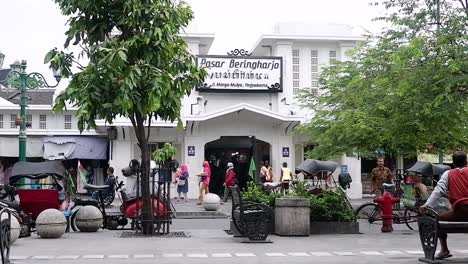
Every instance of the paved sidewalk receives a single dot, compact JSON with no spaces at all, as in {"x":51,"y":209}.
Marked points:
{"x":207,"y":242}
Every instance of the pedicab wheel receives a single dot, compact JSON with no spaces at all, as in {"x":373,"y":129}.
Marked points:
{"x":411,"y":217}
{"x":73,"y":221}
{"x":5,"y":240}
{"x":369,"y":212}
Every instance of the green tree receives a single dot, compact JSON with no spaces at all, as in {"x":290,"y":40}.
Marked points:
{"x":139,"y":67}
{"x":401,"y":89}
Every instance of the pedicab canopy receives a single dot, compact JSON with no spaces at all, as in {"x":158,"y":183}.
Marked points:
{"x":311,"y":166}
{"x":37,"y":170}
{"x":428,"y":169}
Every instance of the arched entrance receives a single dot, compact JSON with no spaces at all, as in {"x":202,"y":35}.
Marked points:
{"x":236,"y":149}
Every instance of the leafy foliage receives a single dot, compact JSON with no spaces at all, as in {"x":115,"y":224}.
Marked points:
{"x":330,"y":206}
{"x":400,"y":90}
{"x":139,"y":67}
{"x":256,"y":194}
{"x":165,"y":153}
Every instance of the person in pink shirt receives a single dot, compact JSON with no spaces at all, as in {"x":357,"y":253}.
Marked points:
{"x":229,"y":181}
{"x":205,"y":181}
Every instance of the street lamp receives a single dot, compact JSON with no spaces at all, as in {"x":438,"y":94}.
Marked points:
{"x":22,"y":81}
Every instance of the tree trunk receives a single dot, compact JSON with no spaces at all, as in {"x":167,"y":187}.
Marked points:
{"x":147,"y":208}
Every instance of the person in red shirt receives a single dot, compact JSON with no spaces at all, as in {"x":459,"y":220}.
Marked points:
{"x":229,"y":181}
{"x":454,"y":185}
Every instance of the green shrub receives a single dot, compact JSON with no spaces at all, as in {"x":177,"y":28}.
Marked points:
{"x":256,"y":194}
{"x":330,"y":206}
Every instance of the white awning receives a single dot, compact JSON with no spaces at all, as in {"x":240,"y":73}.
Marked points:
{"x":9,"y":147}
{"x":73,"y":147}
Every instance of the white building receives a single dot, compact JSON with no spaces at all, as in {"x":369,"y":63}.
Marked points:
{"x":235,"y":121}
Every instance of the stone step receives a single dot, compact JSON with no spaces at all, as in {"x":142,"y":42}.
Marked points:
{"x":201,"y":215}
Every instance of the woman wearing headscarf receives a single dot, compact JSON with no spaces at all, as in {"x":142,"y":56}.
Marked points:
{"x":182,"y":182}
{"x":229,"y":181}
{"x":205,"y":181}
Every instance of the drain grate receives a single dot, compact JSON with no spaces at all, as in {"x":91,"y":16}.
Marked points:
{"x":178,"y":234}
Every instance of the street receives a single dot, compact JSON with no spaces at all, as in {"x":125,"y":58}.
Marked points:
{"x":206,"y":241}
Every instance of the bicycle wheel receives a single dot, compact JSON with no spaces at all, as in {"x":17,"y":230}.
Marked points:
{"x":411,"y":217}
{"x":369,"y":212}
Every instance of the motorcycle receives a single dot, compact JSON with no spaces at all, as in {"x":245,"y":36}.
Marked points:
{"x":9,"y":200}
{"x":131,"y":206}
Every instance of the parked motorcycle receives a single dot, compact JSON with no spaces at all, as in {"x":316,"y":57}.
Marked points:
{"x":11,"y":202}
{"x":131,"y":206}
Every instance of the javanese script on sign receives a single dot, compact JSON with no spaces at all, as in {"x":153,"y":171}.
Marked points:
{"x":228,"y":73}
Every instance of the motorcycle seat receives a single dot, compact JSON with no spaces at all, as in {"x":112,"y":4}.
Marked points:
{"x":84,"y":202}
{"x":93,"y":187}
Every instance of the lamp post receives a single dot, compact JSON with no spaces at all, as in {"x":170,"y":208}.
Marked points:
{"x":22,"y":81}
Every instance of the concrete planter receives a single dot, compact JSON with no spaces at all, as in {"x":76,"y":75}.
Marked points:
{"x":51,"y":223}
{"x":334,"y":228}
{"x":292,"y":216}
{"x":89,"y":219}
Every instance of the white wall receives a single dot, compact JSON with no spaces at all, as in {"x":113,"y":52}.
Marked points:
{"x":354,"y":169}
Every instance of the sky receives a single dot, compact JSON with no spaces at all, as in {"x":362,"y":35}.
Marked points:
{"x":30,"y":28}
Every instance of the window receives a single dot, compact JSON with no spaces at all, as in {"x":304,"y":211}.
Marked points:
{"x":1,"y":120}
{"x":68,"y":120}
{"x":28,"y":120}
{"x":12,"y":121}
{"x":42,"y":122}
{"x":332,"y":57}
{"x":296,"y":71}
{"x":314,"y":69}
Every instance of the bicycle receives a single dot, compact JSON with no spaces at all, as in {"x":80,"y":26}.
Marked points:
{"x":413,"y":194}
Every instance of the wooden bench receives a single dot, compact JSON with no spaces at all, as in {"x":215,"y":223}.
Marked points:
{"x":252,"y":220}
{"x":429,"y":229}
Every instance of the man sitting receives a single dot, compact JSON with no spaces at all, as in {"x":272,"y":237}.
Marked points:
{"x":454,"y":185}
{"x":109,"y":181}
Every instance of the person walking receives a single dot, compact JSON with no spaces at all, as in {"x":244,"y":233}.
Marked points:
{"x":205,"y":181}
{"x":379,"y":176}
{"x":454,"y":185}
{"x":182,"y":182}
{"x":263,"y":172}
{"x":229,"y":181}
{"x":286,"y":177}
{"x":269,"y":172}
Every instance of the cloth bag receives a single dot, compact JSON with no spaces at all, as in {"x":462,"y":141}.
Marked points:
{"x":181,"y":182}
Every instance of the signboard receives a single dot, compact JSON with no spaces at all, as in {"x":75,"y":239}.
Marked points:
{"x":191,"y":150}
{"x":285,"y":152}
{"x":344,"y":168}
{"x":241,"y":74}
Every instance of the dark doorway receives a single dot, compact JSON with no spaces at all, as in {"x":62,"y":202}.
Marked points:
{"x":238,"y":150}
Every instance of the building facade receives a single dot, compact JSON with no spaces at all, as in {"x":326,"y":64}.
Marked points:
{"x":242,"y":122}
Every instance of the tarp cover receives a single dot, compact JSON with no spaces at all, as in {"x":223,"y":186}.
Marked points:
{"x":428,"y":169}
{"x":312,"y":166}
{"x":37,"y":170}
{"x":75,"y":147}
{"x":9,"y":147}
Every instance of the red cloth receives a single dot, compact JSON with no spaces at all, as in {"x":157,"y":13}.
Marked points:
{"x":458,"y":186}
{"x":229,"y":178}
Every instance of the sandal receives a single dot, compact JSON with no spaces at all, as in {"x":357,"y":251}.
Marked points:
{"x":439,"y":257}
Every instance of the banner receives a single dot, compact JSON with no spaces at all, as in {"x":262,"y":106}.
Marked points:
{"x":243,"y":74}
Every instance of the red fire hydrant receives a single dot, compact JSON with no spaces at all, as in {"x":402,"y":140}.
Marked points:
{"x":386,"y":202}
